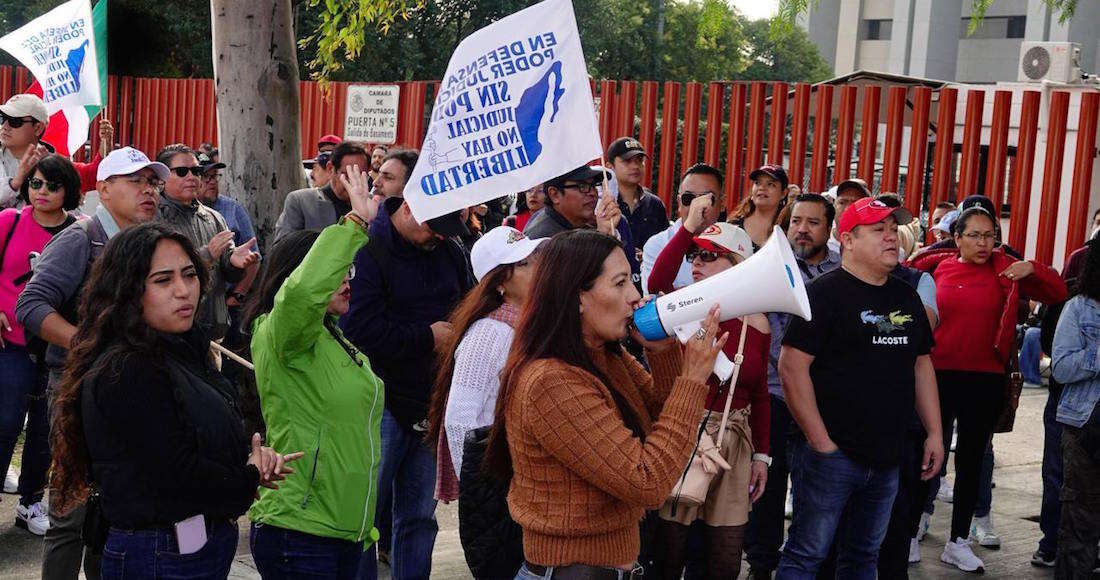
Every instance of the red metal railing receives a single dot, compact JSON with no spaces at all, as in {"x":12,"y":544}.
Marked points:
{"x":740,"y":123}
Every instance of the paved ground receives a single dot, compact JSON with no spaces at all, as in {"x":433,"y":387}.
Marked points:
{"x":1015,"y":505}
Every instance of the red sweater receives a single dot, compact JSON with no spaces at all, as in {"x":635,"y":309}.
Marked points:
{"x":752,"y":382}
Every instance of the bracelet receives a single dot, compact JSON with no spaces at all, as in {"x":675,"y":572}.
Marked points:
{"x":354,"y":218}
{"x":766,"y":459}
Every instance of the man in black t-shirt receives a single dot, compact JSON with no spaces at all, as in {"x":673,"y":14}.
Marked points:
{"x":851,"y":377}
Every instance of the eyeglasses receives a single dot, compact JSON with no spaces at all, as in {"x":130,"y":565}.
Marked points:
{"x":210,"y":176}
{"x":183,"y":171}
{"x":706,"y":256}
{"x":53,"y":186}
{"x":581,"y":187}
{"x":15,"y":122}
{"x":975,"y":236}
{"x":142,"y":181}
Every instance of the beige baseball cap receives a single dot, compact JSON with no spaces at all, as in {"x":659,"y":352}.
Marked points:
{"x":25,"y":105}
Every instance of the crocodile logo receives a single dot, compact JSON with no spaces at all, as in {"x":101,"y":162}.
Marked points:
{"x":888,"y":323}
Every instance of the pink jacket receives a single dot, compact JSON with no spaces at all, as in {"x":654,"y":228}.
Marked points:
{"x":15,"y":263}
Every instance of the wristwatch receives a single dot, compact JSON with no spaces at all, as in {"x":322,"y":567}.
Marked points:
{"x":764,"y":458}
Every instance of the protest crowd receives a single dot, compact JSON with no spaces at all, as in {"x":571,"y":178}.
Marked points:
{"x":176,"y":377}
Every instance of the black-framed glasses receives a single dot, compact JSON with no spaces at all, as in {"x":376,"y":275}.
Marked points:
{"x":706,"y":256}
{"x":183,"y":171}
{"x":213,"y":176}
{"x":689,"y":196}
{"x":52,"y":186}
{"x":15,"y":122}
{"x":976,"y":236}
{"x":585,"y":188}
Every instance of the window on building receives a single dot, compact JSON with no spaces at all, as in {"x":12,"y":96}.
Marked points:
{"x":877,"y":29}
{"x":993,"y":27}
{"x":1016,"y":26}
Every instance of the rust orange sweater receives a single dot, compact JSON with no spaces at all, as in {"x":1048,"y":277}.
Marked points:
{"x":581,"y":479}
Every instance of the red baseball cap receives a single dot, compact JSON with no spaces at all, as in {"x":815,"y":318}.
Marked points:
{"x":866,"y":211}
{"x":329,"y":140}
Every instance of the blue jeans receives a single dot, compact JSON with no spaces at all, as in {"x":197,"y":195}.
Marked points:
{"x":1030,"y":353}
{"x":1050,"y":517}
{"x":286,"y":554}
{"x":153,"y":553}
{"x":23,"y":398}
{"x":827,"y":487}
{"x":407,"y":476}
{"x":525,"y":574}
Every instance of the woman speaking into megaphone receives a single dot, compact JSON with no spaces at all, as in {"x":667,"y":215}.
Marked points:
{"x":710,"y":250}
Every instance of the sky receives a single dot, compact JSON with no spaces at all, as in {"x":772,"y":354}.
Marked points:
{"x":755,"y":9}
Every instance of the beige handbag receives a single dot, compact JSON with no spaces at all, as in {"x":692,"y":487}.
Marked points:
{"x":706,"y":461}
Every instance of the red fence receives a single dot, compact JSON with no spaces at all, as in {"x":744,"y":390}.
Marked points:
{"x":736,"y":126}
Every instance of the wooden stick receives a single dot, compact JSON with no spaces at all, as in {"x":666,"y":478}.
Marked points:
{"x":236,"y":358}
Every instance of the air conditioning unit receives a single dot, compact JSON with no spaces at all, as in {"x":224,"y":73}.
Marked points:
{"x":1049,"y":61}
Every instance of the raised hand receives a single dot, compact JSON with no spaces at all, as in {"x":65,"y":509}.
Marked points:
{"x":608,"y":215}
{"x":363,"y":203}
{"x":701,"y":213}
{"x":243,"y":256}
{"x":219,"y":244}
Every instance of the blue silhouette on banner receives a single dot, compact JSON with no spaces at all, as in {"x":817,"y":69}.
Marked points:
{"x":532,"y":109}
{"x":75,"y":62}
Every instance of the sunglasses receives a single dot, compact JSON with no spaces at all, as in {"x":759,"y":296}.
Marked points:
{"x":706,"y":256}
{"x":15,"y":122}
{"x":687,"y":197}
{"x":183,"y":171}
{"x":52,"y":186}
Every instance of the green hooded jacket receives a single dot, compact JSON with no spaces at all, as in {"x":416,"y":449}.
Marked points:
{"x":319,"y":396}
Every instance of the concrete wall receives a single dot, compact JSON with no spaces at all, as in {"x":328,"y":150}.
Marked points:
{"x":988,"y":60}
{"x":874,"y":55}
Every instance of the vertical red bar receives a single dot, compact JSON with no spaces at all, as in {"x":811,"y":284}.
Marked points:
{"x":845,"y":135}
{"x":419,"y":103}
{"x":5,"y":83}
{"x":942,"y":169}
{"x":716,"y":94}
{"x":628,"y":96}
{"x":22,"y":81}
{"x":918,"y":149}
{"x":141,"y":100}
{"x":1052,"y":176}
{"x":777,"y":137}
{"x":340,"y":102}
{"x":607,"y":113}
{"x":868,"y":134}
{"x":754,"y":151}
{"x":124,"y":112}
{"x":212,"y":119}
{"x":693,"y":102}
{"x":157,"y":121}
{"x":648,"y":134}
{"x":735,"y":142}
{"x":800,"y":123}
{"x":997,"y":159}
{"x":1082,"y":171}
{"x":891,"y":149}
{"x":971,"y":144}
{"x":176,"y":111}
{"x":1024,"y":169}
{"x":669,"y":120}
{"x":823,"y":120}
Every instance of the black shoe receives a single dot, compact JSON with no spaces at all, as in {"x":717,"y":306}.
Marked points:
{"x":1042,"y":559}
{"x":760,"y":574}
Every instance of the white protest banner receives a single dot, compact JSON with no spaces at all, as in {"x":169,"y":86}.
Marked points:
{"x":60,"y":51}
{"x":513,"y":110}
{"x":370,"y":114}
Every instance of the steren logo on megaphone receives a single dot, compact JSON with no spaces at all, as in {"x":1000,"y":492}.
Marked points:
{"x":766,"y":282}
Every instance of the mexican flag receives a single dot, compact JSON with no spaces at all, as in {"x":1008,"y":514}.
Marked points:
{"x":66,"y":51}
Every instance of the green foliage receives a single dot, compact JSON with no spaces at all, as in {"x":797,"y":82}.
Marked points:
{"x":784,"y":56}
{"x":341,"y":33}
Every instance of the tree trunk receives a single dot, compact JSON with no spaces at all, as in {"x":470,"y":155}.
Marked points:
{"x":256,"y":80}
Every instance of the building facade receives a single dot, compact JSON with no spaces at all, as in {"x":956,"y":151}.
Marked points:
{"x":929,"y":38}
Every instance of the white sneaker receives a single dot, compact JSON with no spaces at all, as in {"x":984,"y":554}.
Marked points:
{"x":11,"y":481}
{"x":958,"y":553}
{"x":925,"y":523}
{"x":788,"y":508}
{"x":982,"y":532}
{"x":32,"y":518}
{"x":914,"y":551}
{"x":954,"y":440}
{"x":946,"y":493}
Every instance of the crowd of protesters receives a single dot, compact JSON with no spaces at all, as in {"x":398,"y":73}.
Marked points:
{"x":488,"y":357}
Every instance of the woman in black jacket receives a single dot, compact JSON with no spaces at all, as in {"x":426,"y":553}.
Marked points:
{"x":143,"y":417}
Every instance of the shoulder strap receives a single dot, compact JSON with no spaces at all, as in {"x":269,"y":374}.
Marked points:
{"x":737,"y":360}
{"x":7,"y":238}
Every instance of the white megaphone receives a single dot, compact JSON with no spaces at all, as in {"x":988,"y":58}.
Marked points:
{"x":769,"y":281}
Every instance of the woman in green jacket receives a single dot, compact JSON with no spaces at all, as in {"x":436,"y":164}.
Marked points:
{"x":318,"y":394}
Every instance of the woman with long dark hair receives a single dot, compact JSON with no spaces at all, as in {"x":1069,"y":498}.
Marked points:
{"x":319,"y":394}
{"x":1074,"y":364}
{"x":143,"y":417}
{"x":760,"y":210}
{"x":465,"y":394}
{"x":589,"y":439}
{"x":978,"y":289}
{"x":51,"y":192}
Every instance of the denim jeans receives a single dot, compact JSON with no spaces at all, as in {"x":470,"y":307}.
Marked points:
{"x":23,"y":399}
{"x":153,"y":553}
{"x":828,"y":487}
{"x":286,"y":554}
{"x":525,"y":574}
{"x":764,"y":536}
{"x":407,"y":475}
{"x":1030,"y":352}
{"x":1051,"y":514}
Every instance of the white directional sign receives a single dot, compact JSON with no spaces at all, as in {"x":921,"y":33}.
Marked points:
{"x":371,"y":114}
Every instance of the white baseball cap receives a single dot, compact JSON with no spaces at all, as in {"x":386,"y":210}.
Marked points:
{"x":725,"y":237}
{"x":25,"y":105}
{"x":501,"y":245}
{"x":128,"y":160}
